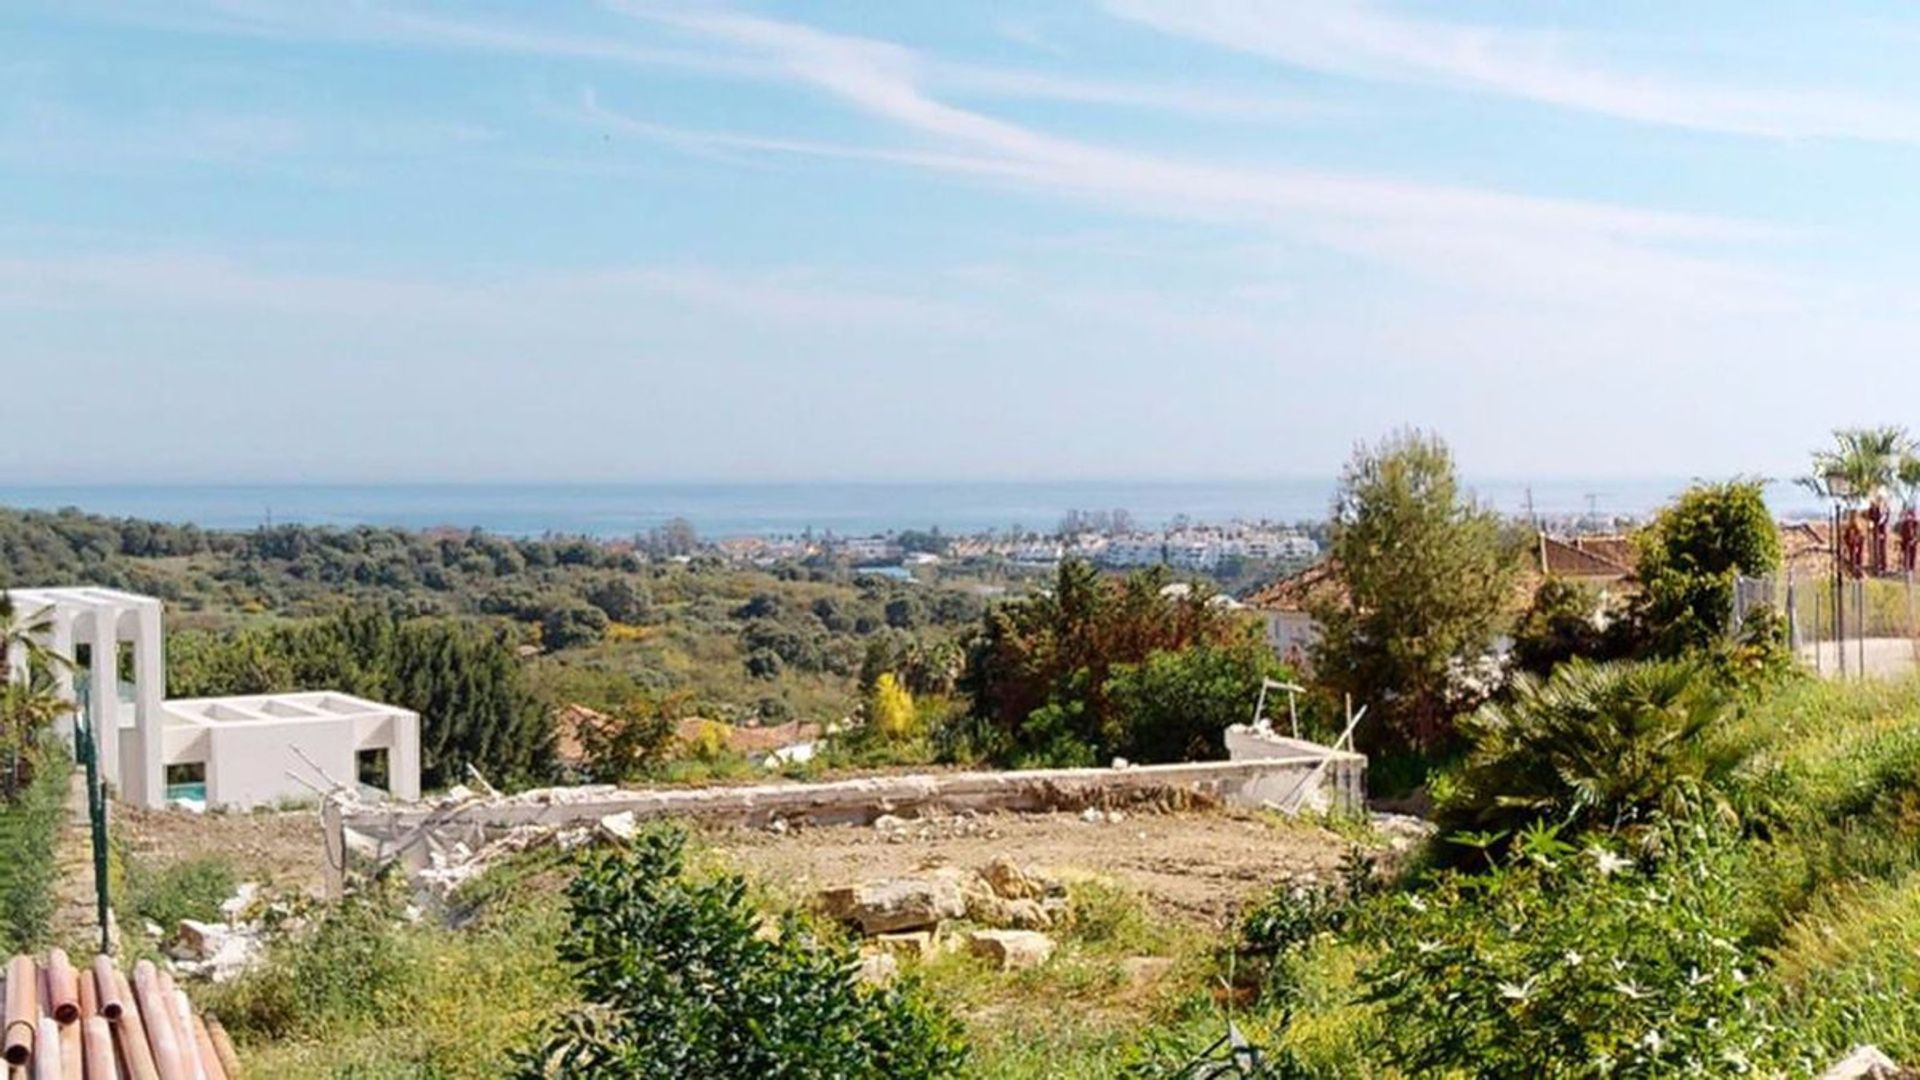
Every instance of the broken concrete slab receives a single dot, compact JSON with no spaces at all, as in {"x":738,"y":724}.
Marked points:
{"x":1011,"y":950}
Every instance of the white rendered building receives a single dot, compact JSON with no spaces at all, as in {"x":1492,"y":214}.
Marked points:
{"x":236,"y":752}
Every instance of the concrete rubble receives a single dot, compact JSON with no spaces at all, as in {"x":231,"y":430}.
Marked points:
{"x":224,"y":950}
{"x":1011,"y":950}
{"x":910,"y":917}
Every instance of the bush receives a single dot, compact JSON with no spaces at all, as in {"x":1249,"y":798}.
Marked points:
{"x":193,"y":889}
{"x":1566,"y":619}
{"x":1593,"y":746}
{"x":29,"y":825}
{"x":1175,"y":706}
{"x":347,"y":966}
{"x":680,"y":981}
{"x":1689,"y":558}
{"x":1568,"y":962}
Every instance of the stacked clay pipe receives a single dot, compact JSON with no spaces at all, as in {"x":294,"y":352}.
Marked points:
{"x":94,"y":1023}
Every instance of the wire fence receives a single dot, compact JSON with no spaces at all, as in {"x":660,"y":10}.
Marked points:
{"x":1853,"y":625}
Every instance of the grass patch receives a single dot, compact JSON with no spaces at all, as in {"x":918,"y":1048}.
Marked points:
{"x":29,"y":828}
{"x":191,"y":889}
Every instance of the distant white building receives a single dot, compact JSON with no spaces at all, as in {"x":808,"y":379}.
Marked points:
{"x":869,"y":548}
{"x":224,"y":752}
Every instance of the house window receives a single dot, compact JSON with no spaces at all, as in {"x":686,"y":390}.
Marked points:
{"x":371,"y":766}
{"x":187,"y":780}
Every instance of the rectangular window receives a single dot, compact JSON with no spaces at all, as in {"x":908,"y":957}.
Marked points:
{"x":187,"y":780}
{"x":372,"y":767}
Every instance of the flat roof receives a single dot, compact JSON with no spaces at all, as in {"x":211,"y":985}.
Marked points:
{"x":276,"y":708}
{"x":89,"y":595}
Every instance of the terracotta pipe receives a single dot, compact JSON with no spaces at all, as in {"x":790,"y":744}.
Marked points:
{"x":63,"y":987}
{"x":183,"y":1023}
{"x":72,"y":1058}
{"x":223,"y":1047}
{"x":107,"y":980}
{"x":46,"y":1060}
{"x":157,"y":1014}
{"x":23,"y":1010}
{"x":131,"y":1034}
{"x":89,"y":995}
{"x":97,"y":1037}
{"x":182,"y":1016}
{"x":203,"y":1041}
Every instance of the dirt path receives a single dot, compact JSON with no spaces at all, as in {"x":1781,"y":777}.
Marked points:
{"x":1197,"y":865}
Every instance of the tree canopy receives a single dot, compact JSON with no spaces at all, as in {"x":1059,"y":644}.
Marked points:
{"x":1425,"y":577}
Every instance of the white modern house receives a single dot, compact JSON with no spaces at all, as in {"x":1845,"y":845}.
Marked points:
{"x":231,"y":752}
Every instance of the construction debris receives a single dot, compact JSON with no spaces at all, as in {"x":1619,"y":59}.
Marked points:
{"x":94,"y":1023}
{"x":1011,"y":950}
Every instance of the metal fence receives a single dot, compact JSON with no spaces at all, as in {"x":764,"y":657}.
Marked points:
{"x":1849,"y":627}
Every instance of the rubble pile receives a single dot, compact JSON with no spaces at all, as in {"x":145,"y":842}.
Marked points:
{"x":1006,"y":906}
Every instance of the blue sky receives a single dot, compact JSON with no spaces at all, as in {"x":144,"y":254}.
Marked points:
{"x":250,"y":240}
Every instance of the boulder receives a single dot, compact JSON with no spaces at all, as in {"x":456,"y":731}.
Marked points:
{"x":910,"y":945}
{"x":621,"y":826}
{"x":1011,"y":950}
{"x":881,"y":907}
{"x":1010,"y":882}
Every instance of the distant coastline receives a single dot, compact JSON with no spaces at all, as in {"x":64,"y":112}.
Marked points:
{"x":748,"y":509}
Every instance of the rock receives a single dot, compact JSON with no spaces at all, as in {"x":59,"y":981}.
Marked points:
{"x":1010,"y":882}
{"x":1011,"y":950}
{"x":620,"y":826}
{"x":910,"y":945}
{"x":1115,"y":817}
{"x":900,"y":904}
{"x":196,"y":940}
{"x":778,"y":826}
{"x":878,"y":968}
{"x":1093,"y":815}
{"x":1027,"y":915}
{"x":889,"y":823}
{"x":1122,"y":763}
{"x":1866,"y":1063}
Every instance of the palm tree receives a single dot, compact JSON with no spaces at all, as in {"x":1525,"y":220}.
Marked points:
{"x":27,"y":705}
{"x":27,"y":635}
{"x":1868,"y":459}
{"x":1907,"y":475}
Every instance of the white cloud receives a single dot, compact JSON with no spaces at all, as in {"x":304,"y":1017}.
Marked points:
{"x":1499,"y":240}
{"x":1355,"y":38}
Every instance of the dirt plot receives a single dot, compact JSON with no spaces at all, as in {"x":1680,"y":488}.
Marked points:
{"x":280,"y":849}
{"x":1200,"y":865}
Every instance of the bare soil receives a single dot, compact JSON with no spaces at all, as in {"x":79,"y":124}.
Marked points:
{"x":1201,"y":866}
{"x":279,"y":849}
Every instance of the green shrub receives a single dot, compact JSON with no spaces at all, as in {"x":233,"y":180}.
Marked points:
{"x":348,"y":966}
{"x":680,"y":981}
{"x":29,"y":827}
{"x":193,"y":889}
{"x":1567,"y":962}
{"x":1594,"y":745}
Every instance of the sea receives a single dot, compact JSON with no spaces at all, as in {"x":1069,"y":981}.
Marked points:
{"x":739,"y":509}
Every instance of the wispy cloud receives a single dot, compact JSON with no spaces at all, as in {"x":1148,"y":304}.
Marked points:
{"x":1505,"y":240}
{"x":1359,"y":39}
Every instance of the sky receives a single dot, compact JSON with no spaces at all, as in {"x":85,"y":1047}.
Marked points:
{"x":250,"y":240}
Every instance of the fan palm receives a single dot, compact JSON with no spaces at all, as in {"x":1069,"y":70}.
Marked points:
{"x":1869,"y":460}
{"x":1593,"y":744}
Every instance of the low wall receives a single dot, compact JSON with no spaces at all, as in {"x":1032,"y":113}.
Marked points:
{"x":1308,"y":777}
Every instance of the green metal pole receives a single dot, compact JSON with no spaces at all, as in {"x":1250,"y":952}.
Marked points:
{"x":88,"y":751}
